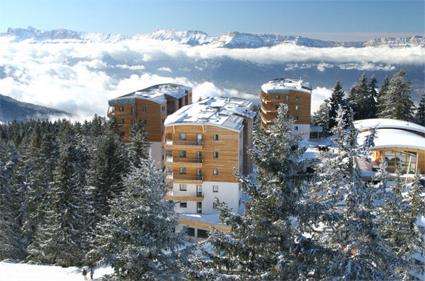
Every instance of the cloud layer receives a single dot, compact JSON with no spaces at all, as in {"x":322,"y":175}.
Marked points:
{"x":81,"y":77}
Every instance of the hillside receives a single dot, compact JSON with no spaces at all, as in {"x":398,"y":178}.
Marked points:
{"x":11,"y":109}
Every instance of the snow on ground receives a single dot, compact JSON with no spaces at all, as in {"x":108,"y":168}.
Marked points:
{"x":30,"y":272}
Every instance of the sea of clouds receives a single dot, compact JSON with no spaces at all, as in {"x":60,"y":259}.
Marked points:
{"x":80,"y":77}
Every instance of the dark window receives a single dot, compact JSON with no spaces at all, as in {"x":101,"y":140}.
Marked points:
{"x":215,"y":172}
{"x":183,"y":204}
{"x":182,"y":170}
{"x":190,"y":231}
{"x":182,"y":187}
{"x":182,"y":153}
{"x":216,"y":137}
{"x":215,"y":188}
{"x":215,"y":154}
{"x":121,"y":109}
{"x":202,"y":233}
{"x":144,"y":107}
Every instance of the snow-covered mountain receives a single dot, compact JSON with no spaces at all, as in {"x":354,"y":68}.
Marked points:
{"x":11,"y":109}
{"x":195,"y":38}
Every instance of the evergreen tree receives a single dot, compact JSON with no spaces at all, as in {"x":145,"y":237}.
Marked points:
{"x":382,"y":97}
{"x":359,"y":98}
{"x":346,"y":221}
{"x":11,"y":237}
{"x":372,"y":98}
{"x":139,"y":146}
{"x":61,"y":237}
{"x":321,"y":117}
{"x":265,"y":242}
{"x":137,"y":238}
{"x":335,"y":102}
{"x":397,"y":103}
{"x":420,"y":114}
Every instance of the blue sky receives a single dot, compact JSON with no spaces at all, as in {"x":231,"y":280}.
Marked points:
{"x":327,"y":19}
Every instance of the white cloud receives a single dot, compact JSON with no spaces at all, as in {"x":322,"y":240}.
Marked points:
{"x":80,"y":77}
{"x":318,"y":95}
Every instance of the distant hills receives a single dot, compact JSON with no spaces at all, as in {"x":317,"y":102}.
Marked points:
{"x":196,"y":38}
{"x":11,"y":109}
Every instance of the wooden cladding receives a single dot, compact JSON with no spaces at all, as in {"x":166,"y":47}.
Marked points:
{"x":209,"y":160}
{"x":299,"y":106}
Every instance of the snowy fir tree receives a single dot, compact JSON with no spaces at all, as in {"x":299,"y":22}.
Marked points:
{"x":336,"y":101}
{"x":382,"y":96}
{"x":11,"y":236}
{"x":60,"y":238}
{"x":265,"y":242}
{"x":397,"y":102}
{"x":139,"y":146}
{"x":346,"y":221}
{"x":420,"y":113}
{"x":359,"y":98}
{"x":372,"y":97}
{"x":137,"y":238}
{"x":321,"y":117}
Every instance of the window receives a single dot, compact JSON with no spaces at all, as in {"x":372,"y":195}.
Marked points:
{"x":183,"y":187}
{"x":144,"y":107}
{"x":297,"y":107}
{"x":215,"y":205}
{"x":296,"y":118}
{"x":132,"y":110}
{"x":182,"y":154}
{"x":183,"y":204}
{"x":121,"y":109}
{"x":215,"y":154}
{"x":202,"y":233}
{"x":216,"y":137}
{"x":182,"y":170}
{"x":215,"y":172}
{"x":199,"y":207}
{"x":182,"y":136}
{"x":297,"y":99}
{"x":190,"y":231}
{"x":215,"y":188}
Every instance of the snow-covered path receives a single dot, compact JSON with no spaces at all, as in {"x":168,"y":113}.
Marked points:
{"x":30,"y":272}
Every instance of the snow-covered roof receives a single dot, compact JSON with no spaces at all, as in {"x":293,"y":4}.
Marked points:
{"x":394,"y":138}
{"x":156,"y":93}
{"x":285,"y":85}
{"x":382,"y":123}
{"x":221,"y":111}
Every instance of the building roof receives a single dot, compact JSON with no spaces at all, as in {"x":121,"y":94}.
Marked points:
{"x":285,"y":85}
{"x":394,"y":138}
{"x":381,"y":123}
{"x":219,"y":111}
{"x":156,"y":93}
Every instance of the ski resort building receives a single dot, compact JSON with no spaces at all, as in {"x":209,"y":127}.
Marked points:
{"x":400,"y":143}
{"x":295,"y":94}
{"x":206,"y":147}
{"x":151,"y":106}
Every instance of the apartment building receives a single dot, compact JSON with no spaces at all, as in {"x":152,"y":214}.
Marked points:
{"x":151,"y":106}
{"x":206,"y":147}
{"x":295,"y":94}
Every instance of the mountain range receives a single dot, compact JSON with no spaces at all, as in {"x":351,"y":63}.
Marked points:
{"x":11,"y":109}
{"x":196,"y":38}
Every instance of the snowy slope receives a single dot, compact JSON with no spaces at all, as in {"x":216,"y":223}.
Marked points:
{"x":29,"y":272}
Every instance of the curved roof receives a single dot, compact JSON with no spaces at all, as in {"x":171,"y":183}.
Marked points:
{"x":219,"y":111}
{"x":284,"y":86}
{"x":382,"y":123}
{"x":394,"y":138}
{"x":155,"y":93}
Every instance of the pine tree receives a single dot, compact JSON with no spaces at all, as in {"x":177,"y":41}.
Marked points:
{"x":137,"y":238}
{"x":321,"y":117}
{"x":139,"y":146}
{"x":265,"y":243}
{"x":397,"y":103}
{"x":346,"y":221}
{"x":420,"y":114}
{"x":359,"y":98}
{"x":372,"y":98}
{"x":382,"y":97}
{"x":11,"y":236}
{"x":335,"y":102}
{"x":60,"y":238}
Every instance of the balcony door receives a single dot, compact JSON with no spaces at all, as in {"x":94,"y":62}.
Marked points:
{"x":199,"y":138}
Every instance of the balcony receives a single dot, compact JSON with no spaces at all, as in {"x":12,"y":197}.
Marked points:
{"x":185,"y":162}
{"x":183,"y":144}
{"x":196,"y":179}
{"x":198,"y":197}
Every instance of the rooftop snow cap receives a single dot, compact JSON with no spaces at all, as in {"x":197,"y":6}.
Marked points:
{"x":385,"y":123}
{"x":220,"y":111}
{"x":157,"y":93}
{"x":285,"y":85}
